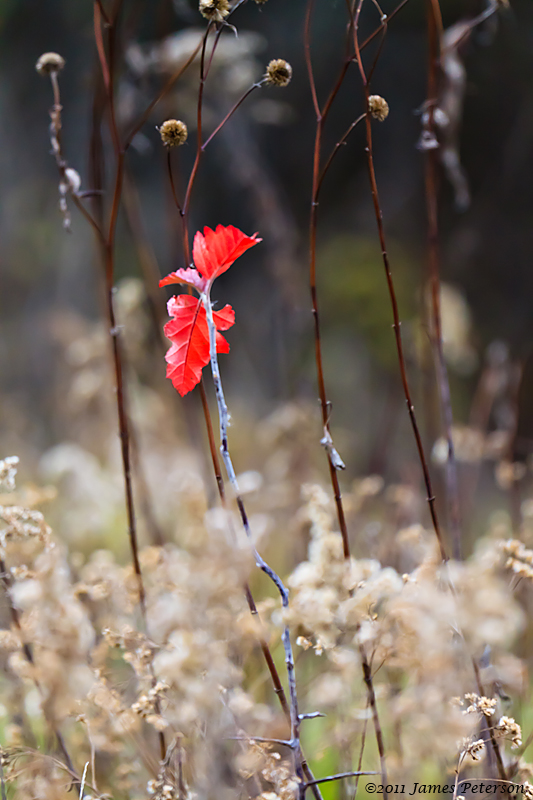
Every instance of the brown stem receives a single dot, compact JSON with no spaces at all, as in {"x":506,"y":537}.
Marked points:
{"x":164,"y":91}
{"x":108,"y":68}
{"x":434,"y":23}
{"x":494,"y":744}
{"x":194,"y":171}
{"x":369,"y":683}
{"x":317,"y":180}
{"x":392,"y":294}
{"x":340,"y":143}
{"x":231,"y":112}
{"x":173,"y":189}
{"x":28,"y":654}
{"x":318,"y":177}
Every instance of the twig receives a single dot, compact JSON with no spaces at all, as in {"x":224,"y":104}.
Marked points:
{"x":494,"y":744}
{"x":361,"y":752}
{"x":28,"y":654}
{"x":367,"y":677}
{"x":232,"y":110}
{"x":321,"y":116}
{"x":109,"y":264}
{"x":338,"y":776}
{"x":334,"y":461}
{"x":164,"y":91}
{"x":392,"y":294}
{"x":452,"y":486}
{"x":108,"y":252}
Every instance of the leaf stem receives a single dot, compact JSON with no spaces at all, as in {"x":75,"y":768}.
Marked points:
{"x":260,"y":562}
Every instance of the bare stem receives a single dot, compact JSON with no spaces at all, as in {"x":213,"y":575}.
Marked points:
{"x":107,"y":64}
{"x":489,"y":730}
{"x":260,"y":562}
{"x":5,"y":578}
{"x":232,"y":111}
{"x":333,"y":457}
{"x":452,"y":485}
{"x":339,"y":776}
{"x":367,"y":677}
{"x":392,"y":294}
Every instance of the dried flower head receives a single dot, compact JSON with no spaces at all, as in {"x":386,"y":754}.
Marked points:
{"x":214,"y":10}
{"x":520,"y":559}
{"x":49,"y":62}
{"x":8,"y":472}
{"x":173,"y":133}
{"x":476,"y":750}
{"x":483,"y":705}
{"x":378,"y":107}
{"x":278,"y":72}
{"x":508,"y":727}
{"x":527,"y":790}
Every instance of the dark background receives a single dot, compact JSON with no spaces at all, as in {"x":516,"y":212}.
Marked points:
{"x":257,"y":176}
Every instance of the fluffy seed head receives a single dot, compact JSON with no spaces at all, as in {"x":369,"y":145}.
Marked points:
{"x":50,"y":62}
{"x":214,"y":10}
{"x":378,"y":107}
{"x":278,"y":72}
{"x":173,"y":133}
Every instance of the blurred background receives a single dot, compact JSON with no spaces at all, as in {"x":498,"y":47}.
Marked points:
{"x":55,"y":381}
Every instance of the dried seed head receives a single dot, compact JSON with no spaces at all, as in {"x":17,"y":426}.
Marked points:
{"x":508,"y":727}
{"x":278,"y":72}
{"x":49,"y":62}
{"x":378,"y":107}
{"x":173,"y":133}
{"x":214,"y":10}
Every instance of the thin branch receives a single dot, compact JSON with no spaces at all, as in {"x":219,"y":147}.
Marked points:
{"x":361,"y":751}
{"x":340,"y":143}
{"x":5,"y":578}
{"x":392,"y":294}
{"x":434,"y":23}
{"x":367,"y":677}
{"x":339,"y":776}
{"x":173,"y":187}
{"x":108,"y":252}
{"x":164,"y":91}
{"x":494,"y":744}
{"x":333,"y":458}
{"x":232,"y":110}
{"x":196,"y":164}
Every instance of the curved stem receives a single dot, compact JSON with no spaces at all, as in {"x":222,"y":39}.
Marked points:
{"x":392,"y":294}
{"x":232,"y":110}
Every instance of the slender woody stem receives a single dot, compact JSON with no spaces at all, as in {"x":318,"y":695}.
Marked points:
{"x":339,"y":776}
{"x":317,"y":180}
{"x":392,"y":294}
{"x":369,"y":683}
{"x":232,"y":110}
{"x":434,"y":24}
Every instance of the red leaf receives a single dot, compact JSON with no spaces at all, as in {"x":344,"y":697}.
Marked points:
{"x":189,"y":276}
{"x":189,"y":335}
{"x":215,"y":251}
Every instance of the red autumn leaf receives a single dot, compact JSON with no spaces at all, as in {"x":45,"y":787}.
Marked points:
{"x":215,"y":251}
{"x":189,"y":276}
{"x":189,"y":334}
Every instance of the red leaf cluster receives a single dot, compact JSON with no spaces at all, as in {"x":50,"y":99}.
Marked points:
{"x":213,"y":253}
